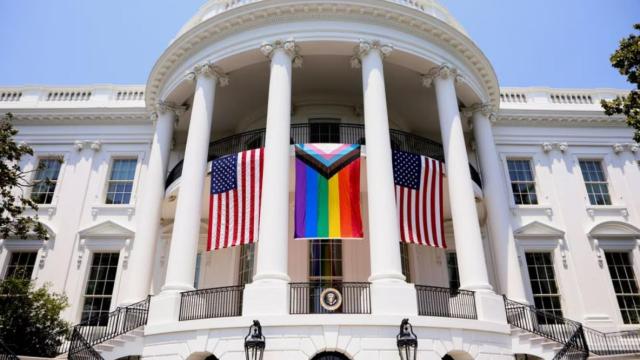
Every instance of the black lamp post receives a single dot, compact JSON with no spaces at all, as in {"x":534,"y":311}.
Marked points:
{"x":407,"y":341}
{"x":254,"y":342}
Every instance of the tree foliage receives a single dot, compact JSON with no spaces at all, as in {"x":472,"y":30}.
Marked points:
{"x":627,"y":60}
{"x":30,"y":322}
{"x":13,"y":182}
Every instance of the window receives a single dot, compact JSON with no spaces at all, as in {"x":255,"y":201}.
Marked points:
{"x":120,"y":182}
{"x":247,"y":256}
{"x":97,"y":298}
{"x":325,"y":261}
{"x":324,"y":131}
{"x":21,"y":264}
{"x":523,"y":184}
{"x":404,"y":261}
{"x":625,"y":285}
{"x":596,"y":182}
{"x":44,"y":183}
{"x":452,"y":270}
{"x":546,"y":296}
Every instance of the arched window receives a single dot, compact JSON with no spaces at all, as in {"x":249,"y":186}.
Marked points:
{"x":330,"y":356}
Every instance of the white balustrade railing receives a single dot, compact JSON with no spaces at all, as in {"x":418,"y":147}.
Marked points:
{"x":86,"y":96}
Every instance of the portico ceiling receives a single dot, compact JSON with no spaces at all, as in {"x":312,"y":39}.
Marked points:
{"x":322,"y":80}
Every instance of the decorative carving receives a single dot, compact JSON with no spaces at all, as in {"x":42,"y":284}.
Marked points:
{"x":289,"y":46}
{"x":624,"y":212}
{"x":634,"y":148}
{"x":617,"y":148}
{"x":485,"y":109}
{"x":364,"y":47}
{"x":96,"y":145}
{"x":126,"y":251}
{"x":563,"y":251}
{"x":560,"y":146}
{"x":209,"y":70}
{"x":163,"y":107}
{"x":79,"y":145}
{"x":44,"y":254}
{"x":81,"y":248}
{"x":596,"y":248}
{"x":444,"y":71}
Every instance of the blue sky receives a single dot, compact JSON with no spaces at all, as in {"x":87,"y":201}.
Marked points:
{"x":559,"y":43}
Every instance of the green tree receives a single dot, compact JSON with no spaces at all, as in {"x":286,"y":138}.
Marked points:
{"x":30,"y":322}
{"x":13,"y":182}
{"x":627,"y":60}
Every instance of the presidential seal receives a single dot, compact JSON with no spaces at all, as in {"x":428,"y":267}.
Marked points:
{"x":330,"y":299}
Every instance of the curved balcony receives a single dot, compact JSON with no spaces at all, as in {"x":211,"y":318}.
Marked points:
{"x":302,"y":133}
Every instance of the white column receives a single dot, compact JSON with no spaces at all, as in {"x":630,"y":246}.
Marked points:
{"x":186,"y":226}
{"x":148,"y":209}
{"x":497,"y":202}
{"x":390,"y":293}
{"x":268,"y":294}
{"x":466,"y":227}
{"x":472,"y":265}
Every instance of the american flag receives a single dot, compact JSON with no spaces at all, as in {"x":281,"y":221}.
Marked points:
{"x":418,"y":181}
{"x":234,"y":203}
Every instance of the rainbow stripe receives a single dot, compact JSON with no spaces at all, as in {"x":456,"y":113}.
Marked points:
{"x":328,"y":207}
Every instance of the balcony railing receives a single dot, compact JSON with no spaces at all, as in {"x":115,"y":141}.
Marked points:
{"x":446,"y":302}
{"x":105,"y":327}
{"x":211,"y":303}
{"x":352,"y":298}
{"x":302,"y":133}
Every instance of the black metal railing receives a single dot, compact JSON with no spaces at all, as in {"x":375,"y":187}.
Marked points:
{"x":571,"y":350}
{"x":6,"y":353}
{"x":211,"y":303}
{"x":305,"y":298}
{"x":446,"y":302}
{"x":302,"y":133}
{"x":614,"y":343}
{"x":564,"y":331}
{"x":99,"y":329}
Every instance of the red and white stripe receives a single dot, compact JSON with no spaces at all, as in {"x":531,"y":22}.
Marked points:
{"x":421,"y":212}
{"x":234,"y":215}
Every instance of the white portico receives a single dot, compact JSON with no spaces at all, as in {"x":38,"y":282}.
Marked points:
{"x":522,"y":217}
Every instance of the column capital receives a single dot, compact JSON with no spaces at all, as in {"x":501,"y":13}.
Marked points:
{"x":209,"y":70}
{"x":289,"y":46}
{"x":444,"y":71}
{"x":364,"y":47}
{"x":485,"y":109}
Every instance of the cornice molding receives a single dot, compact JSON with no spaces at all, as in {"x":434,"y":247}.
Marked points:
{"x":81,"y":116}
{"x":559,"y":118}
{"x":380,"y":12}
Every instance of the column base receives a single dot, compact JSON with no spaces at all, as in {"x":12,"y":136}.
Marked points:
{"x":266,"y":297}
{"x":164,"y":308}
{"x":490,"y":307}
{"x":393,"y":297}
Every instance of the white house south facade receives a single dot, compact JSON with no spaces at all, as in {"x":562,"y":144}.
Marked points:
{"x":532,"y":231}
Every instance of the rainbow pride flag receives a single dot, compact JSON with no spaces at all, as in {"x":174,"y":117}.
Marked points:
{"x":327,"y":203}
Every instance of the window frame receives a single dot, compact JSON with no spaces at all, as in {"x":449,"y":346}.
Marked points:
{"x":446,"y":263}
{"x":35,"y":170}
{"x":604,"y":167}
{"x":317,"y":120}
{"x":8,"y":247}
{"x":534,"y":160}
{"x":134,"y":182}
{"x":116,"y":280}
{"x":533,"y":176}
{"x":30,"y":164}
{"x":91,"y":244}
{"x":609,"y":244}
{"x":551,"y":244}
{"x":320,"y":279}
{"x":559,"y":293}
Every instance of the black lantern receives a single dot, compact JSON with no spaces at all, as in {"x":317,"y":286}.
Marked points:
{"x":407,"y":341}
{"x":254,"y":342}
